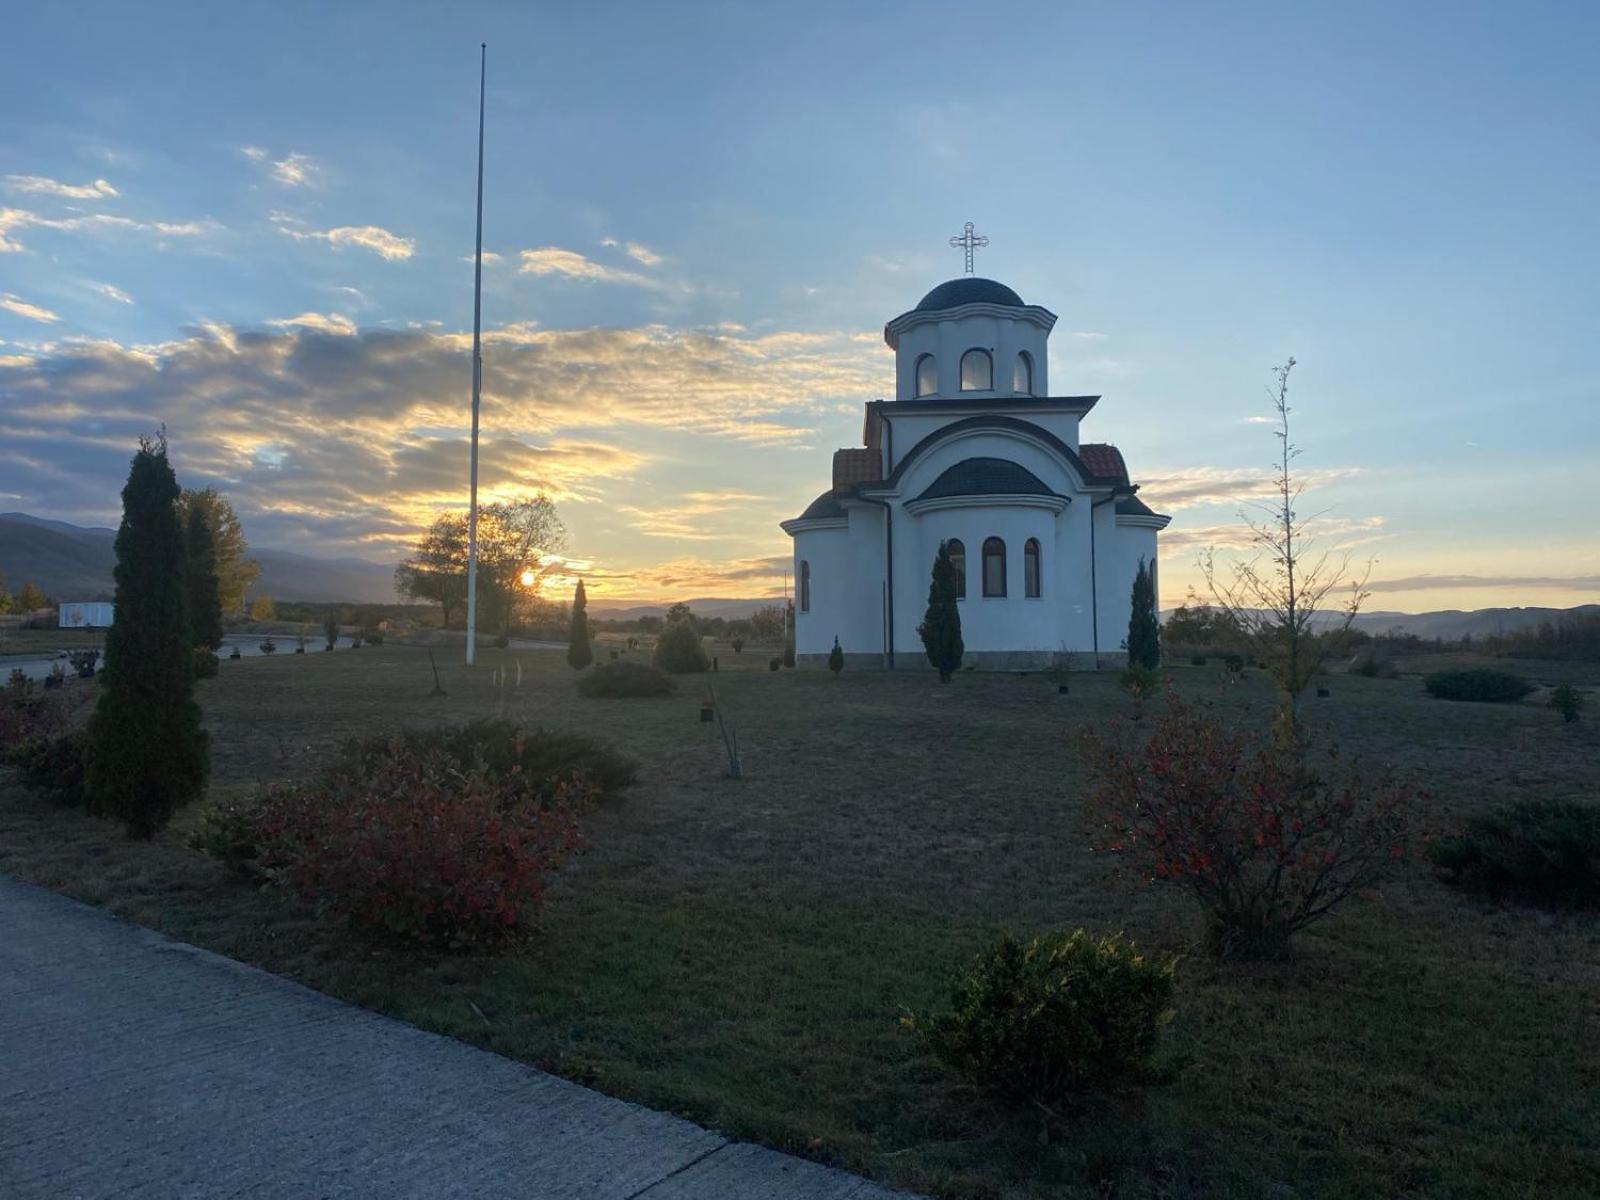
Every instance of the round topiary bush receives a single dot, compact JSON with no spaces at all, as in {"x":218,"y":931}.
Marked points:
{"x":679,"y":652}
{"x":617,"y":679}
{"x":1483,"y":684}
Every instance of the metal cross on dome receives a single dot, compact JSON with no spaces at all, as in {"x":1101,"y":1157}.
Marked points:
{"x":968,"y":242}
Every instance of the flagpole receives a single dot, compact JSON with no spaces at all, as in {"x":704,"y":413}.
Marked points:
{"x":477,"y":382}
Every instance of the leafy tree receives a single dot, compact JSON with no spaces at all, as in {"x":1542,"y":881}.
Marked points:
{"x":941,"y":624}
{"x":261,"y":609}
{"x":30,"y":598}
{"x":235,"y":572}
{"x":146,"y":753}
{"x":579,"y":653}
{"x":767,"y":624}
{"x":517,"y":544}
{"x":200,"y":580}
{"x":1144,"y":631}
{"x":1275,"y":596}
{"x":679,"y":650}
{"x":5,"y":596}
{"x":1200,"y":626}
{"x":681,"y":612}
{"x":437,"y":568}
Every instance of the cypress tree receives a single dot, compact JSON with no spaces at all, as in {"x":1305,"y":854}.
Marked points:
{"x":579,"y":653}
{"x":941,"y":624}
{"x":836,"y":656}
{"x":200,"y":578}
{"x":1144,"y":630}
{"x":146,"y":753}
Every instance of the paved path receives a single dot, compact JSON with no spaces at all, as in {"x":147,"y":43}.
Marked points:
{"x":135,"y":1066}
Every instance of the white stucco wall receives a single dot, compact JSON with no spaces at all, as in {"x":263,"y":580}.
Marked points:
{"x":948,"y":340}
{"x":1120,"y":547}
{"x":846,"y":585}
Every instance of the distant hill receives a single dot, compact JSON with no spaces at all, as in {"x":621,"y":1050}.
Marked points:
{"x":1452,"y":623}
{"x":71,"y":562}
{"x":732,"y":610}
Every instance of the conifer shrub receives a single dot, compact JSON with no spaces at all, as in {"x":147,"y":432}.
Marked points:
{"x":52,"y":765}
{"x":1264,"y":839}
{"x":1568,"y":701}
{"x":579,"y":652}
{"x":679,"y":650}
{"x":1544,"y":851}
{"x":147,"y":754}
{"x":1140,"y":681}
{"x":1144,"y":628}
{"x":619,"y":679}
{"x":1485,"y":684}
{"x":836,"y":657}
{"x":776,"y":664}
{"x":1062,"y":1015}
{"x":330,"y":632}
{"x":941,"y":623}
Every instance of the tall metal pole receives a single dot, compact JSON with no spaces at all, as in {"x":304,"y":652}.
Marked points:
{"x":477,"y":382}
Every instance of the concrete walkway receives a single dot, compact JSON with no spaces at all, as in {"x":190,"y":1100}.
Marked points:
{"x":135,"y":1066}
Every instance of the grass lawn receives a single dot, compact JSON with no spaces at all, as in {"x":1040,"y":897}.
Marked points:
{"x":739,"y":951}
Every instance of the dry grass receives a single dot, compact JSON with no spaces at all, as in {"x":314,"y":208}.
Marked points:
{"x":738,"y":951}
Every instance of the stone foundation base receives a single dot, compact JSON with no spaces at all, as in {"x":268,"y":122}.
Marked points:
{"x":986,"y":660}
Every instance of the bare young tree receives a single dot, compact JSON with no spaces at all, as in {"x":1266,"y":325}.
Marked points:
{"x":1284,"y":590}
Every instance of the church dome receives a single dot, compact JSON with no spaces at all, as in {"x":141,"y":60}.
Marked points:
{"x":969,"y":289}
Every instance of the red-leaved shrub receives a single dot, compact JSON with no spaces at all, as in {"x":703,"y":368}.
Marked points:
{"x":415,"y":847}
{"x":1265,"y":841}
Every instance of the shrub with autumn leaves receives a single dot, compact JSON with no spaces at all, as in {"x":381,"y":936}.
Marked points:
{"x":1266,"y":839}
{"x":422,"y":837}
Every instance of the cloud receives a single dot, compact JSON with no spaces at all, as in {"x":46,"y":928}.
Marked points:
{"x":686,"y":520}
{"x":18,"y":218}
{"x":638,"y":251}
{"x":335,"y":323}
{"x":1226,"y":485}
{"x":687,"y":577}
{"x":40,"y":185}
{"x":380,"y":241}
{"x":111,"y":292}
{"x":552,"y":260}
{"x":1333,"y":534}
{"x":292,"y":170}
{"x":15,"y":304}
{"x":1410,"y":583}
{"x":355,"y":441}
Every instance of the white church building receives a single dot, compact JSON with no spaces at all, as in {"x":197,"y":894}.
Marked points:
{"x":1046,"y":530}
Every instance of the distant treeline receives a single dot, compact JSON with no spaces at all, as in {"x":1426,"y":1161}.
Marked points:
{"x":1572,"y":638}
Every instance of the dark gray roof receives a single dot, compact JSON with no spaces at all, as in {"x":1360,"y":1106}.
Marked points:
{"x":825,"y":505}
{"x":986,"y":477}
{"x":1016,"y":424}
{"x":1132,"y":506}
{"x":969,"y":289}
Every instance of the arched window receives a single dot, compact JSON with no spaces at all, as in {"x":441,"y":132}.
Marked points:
{"x":958,"y":559}
{"x":994,"y":567}
{"x":977,"y":371}
{"x":927,"y":375}
{"x":1031,"y":578}
{"x":1022,"y":375}
{"x":805,"y":586}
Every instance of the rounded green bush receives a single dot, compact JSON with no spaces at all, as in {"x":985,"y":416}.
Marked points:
{"x":1062,"y":1014}
{"x":616,"y":679}
{"x":1477,"y":683}
{"x":679,"y":652}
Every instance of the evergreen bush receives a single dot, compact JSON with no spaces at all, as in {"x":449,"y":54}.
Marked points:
{"x":618,"y":679}
{"x":679,"y":650}
{"x":836,"y":657}
{"x":579,"y":652}
{"x":1568,"y":701}
{"x":146,"y":753}
{"x":1144,"y":629}
{"x":1485,"y":684}
{"x":941,"y":623}
{"x":200,"y":580}
{"x":1547,"y":851}
{"x":1058,"y":1016}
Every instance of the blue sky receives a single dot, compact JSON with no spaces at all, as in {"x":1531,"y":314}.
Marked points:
{"x":705,"y":213}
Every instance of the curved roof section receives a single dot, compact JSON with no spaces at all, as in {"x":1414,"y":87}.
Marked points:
{"x":825,"y":505}
{"x":986,"y":477}
{"x":1103,"y":459}
{"x":969,"y":289}
{"x":1004,"y":424}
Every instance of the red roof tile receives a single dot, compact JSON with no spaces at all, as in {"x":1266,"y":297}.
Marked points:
{"x":1103,"y":460}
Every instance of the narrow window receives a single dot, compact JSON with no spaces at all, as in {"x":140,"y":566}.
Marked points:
{"x":977,"y":371}
{"x":1030,"y":569}
{"x":958,"y":559}
{"x":994,"y":567}
{"x":805,"y":586}
{"x":927,"y":375}
{"x":1022,"y":375}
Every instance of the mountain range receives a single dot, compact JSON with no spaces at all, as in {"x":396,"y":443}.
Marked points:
{"x":72,"y":562}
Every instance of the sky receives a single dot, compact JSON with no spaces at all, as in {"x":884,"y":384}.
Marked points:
{"x":255,"y":227}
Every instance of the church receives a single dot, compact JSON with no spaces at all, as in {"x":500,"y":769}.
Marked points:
{"x":1046,"y":531}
